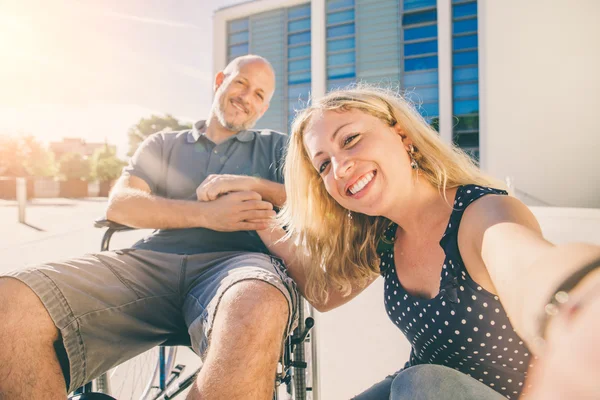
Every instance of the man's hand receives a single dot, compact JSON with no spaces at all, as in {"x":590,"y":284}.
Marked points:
{"x":238,"y":211}
{"x":218,"y":185}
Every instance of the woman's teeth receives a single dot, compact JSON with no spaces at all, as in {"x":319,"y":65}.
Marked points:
{"x":358,"y":186}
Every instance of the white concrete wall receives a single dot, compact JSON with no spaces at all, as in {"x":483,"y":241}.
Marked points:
{"x":358,"y":345}
{"x":540,"y":97}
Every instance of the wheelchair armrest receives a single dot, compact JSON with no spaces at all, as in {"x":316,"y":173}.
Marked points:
{"x":105,"y":223}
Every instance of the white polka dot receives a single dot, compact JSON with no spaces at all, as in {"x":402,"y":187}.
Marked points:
{"x":457,"y":332}
{"x":475,"y":329}
{"x":464,"y":321}
{"x":485,"y":304}
{"x":480,"y":316}
{"x":469,"y":309}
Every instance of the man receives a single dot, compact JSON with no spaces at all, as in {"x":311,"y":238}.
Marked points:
{"x":204,"y":271}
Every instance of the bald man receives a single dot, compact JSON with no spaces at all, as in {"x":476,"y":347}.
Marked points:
{"x":203,"y":273}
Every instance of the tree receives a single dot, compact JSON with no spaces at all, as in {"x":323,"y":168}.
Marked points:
{"x":75,"y":166}
{"x":106,"y":166}
{"x":147,"y":126}
{"x":25,"y":156}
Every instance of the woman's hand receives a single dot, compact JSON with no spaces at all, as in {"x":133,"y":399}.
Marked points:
{"x":569,"y":367}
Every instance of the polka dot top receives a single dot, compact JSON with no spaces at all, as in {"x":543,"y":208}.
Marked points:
{"x":464,"y":327}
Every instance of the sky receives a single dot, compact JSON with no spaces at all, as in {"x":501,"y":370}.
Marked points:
{"x":92,"y":69}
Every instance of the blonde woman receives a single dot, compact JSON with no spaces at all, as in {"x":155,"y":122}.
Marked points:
{"x":469,"y":279}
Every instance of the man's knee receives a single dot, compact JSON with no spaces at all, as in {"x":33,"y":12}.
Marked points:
{"x":255,"y":303}
{"x":22,"y":312}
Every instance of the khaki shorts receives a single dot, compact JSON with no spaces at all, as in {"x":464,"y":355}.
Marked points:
{"x":112,"y":306}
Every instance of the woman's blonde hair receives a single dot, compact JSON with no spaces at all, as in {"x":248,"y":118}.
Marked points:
{"x":339,"y":250}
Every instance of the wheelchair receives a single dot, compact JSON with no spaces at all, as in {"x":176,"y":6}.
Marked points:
{"x":161,"y":379}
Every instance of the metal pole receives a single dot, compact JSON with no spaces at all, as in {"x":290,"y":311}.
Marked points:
{"x":21,"y":198}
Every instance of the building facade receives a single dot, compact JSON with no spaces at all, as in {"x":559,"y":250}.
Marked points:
{"x":467,"y":65}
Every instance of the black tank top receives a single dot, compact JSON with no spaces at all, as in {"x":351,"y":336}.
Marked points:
{"x":464,"y":327}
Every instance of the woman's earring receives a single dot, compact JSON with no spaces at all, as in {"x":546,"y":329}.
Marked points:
{"x":413,"y":162}
{"x":350,"y":215}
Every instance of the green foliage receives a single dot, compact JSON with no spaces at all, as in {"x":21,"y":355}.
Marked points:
{"x":147,"y":126}
{"x":25,"y":156}
{"x":106,"y":166}
{"x":75,"y":166}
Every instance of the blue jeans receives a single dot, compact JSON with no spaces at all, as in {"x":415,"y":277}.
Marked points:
{"x":429,"y":382}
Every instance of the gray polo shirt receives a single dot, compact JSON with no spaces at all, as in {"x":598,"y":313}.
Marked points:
{"x":174,"y":164}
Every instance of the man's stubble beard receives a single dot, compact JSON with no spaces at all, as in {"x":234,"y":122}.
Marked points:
{"x":219,"y":106}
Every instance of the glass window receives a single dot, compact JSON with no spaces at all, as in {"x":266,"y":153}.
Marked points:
{"x":337,"y":4}
{"x":464,"y":10}
{"x":339,"y":84}
{"x":342,"y":30}
{"x":464,"y":26}
{"x":465,"y":74}
{"x":342,"y":16}
{"x":419,"y":78}
{"x":466,"y":91}
{"x":299,"y":77}
{"x":339,"y":73}
{"x":296,"y":92}
{"x":419,"y":17}
{"x":414,"y":49}
{"x":413,"y":64}
{"x":429,"y":109}
{"x":239,"y":25}
{"x":421,"y":32}
{"x":340,"y":59}
{"x":299,"y":12}
{"x":464,"y":42}
{"x":465,"y":58}
{"x":340,"y":44}
{"x":467,"y":139}
{"x":301,"y":51}
{"x":467,"y":123}
{"x":239,"y":50}
{"x":413,"y":4}
{"x":420,"y":95}
{"x":299,"y":38}
{"x":300,"y":25}
{"x":299,"y":65}
{"x":466,"y":107}
{"x":238,"y":37}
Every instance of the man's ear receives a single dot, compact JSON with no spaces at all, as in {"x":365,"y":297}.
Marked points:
{"x":219,"y":79}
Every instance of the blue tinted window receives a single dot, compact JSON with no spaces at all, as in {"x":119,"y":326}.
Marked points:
{"x":300,"y":77}
{"x":412,"y":4}
{"x":419,"y":17}
{"x":337,"y":4}
{"x":342,"y":30}
{"x":414,"y":64}
{"x":466,"y":107}
{"x":238,"y":37}
{"x":298,"y":12}
{"x":464,"y":42}
{"x":239,"y":50}
{"x":340,"y":44}
{"x":465,"y":74}
{"x":429,"y":109}
{"x":299,"y":65}
{"x":339,"y":84}
{"x":301,"y":51}
{"x":338,"y":73}
{"x":466,"y":58}
{"x":238,"y":25}
{"x":299,"y":38}
{"x":422,"y":94}
{"x":297,"y":92}
{"x":420,"y":48}
{"x":464,"y":10}
{"x":421,"y":32}
{"x":340,"y":59}
{"x":299,"y":25}
{"x":466,"y":25}
{"x":466,"y":91}
{"x":420,"y":78}
{"x":342,"y":16}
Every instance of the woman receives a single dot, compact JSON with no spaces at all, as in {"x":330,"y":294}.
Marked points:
{"x":469,"y":279}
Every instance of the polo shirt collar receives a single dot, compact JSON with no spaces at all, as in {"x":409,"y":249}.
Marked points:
{"x":199,"y":129}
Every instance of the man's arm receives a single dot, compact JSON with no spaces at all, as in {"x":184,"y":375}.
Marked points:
{"x":131,"y":203}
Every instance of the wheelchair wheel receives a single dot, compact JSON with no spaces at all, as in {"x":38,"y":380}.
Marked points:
{"x":138,"y":378}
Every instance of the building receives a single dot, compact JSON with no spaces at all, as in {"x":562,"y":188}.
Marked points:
{"x":77,"y":145}
{"x":513,"y":82}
